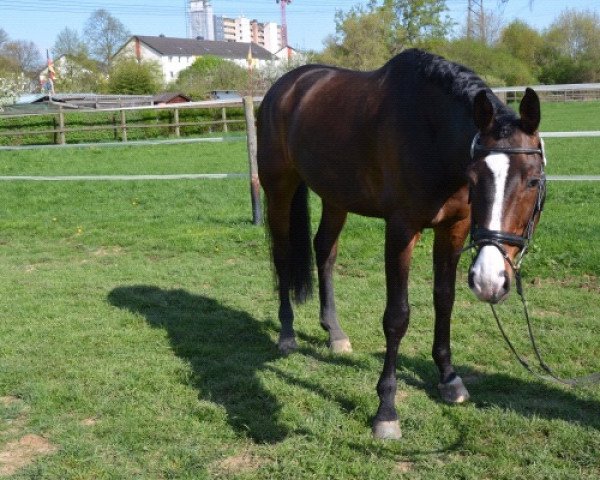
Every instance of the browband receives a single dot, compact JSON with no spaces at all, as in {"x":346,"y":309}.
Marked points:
{"x":477,"y":147}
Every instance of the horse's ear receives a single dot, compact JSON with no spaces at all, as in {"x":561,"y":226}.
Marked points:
{"x":530,"y":111}
{"x":483,"y":111}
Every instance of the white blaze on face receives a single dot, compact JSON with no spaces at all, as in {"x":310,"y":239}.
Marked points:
{"x":489,"y":270}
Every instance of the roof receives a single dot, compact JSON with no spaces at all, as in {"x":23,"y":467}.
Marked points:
{"x":168,"y":96}
{"x":194,"y":47}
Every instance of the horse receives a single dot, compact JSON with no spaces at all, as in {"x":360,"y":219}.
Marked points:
{"x":422,"y":143}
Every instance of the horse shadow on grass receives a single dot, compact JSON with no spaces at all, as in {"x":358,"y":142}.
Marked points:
{"x":226,"y":349}
{"x":529,"y":397}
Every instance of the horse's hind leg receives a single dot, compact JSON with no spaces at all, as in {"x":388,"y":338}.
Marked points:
{"x":325,"y":244}
{"x":286,"y":209}
{"x":446,"y":252}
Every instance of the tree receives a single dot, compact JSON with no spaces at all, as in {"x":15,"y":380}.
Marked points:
{"x":78,"y":74}
{"x":3,"y":37}
{"x":361,"y":40}
{"x":494,"y":64}
{"x":68,"y":42}
{"x":24,"y":54}
{"x":368,"y":36}
{"x":417,"y":22}
{"x":575,"y":33}
{"x":485,"y":26}
{"x":104,"y":34}
{"x":522,"y":42}
{"x":211,"y":73}
{"x":572,"y":50}
{"x":130,"y":77}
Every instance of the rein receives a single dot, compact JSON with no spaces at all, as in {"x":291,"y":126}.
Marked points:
{"x":480,"y":237}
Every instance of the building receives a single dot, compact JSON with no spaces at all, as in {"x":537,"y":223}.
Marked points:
{"x":267,"y":35}
{"x":202,"y":20}
{"x":204,"y":25}
{"x":241,"y":29}
{"x":176,"y":54}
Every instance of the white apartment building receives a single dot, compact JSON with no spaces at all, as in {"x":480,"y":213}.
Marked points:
{"x":176,"y":54}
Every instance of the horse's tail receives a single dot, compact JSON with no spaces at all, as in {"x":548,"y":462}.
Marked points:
{"x":300,"y":257}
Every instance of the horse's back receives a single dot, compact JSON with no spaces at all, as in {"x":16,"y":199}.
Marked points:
{"x":366,"y":141}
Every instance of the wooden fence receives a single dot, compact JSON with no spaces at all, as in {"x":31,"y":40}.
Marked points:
{"x":59,"y":129}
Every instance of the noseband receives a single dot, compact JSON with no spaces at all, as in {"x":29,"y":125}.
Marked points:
{"x":481,"y":236}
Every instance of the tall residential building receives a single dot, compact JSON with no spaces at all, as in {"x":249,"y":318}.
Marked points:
{"x":267,"y":35}
{"x":208,"y":26}
{"x":272,"y":37}
{"x":202,"y":20}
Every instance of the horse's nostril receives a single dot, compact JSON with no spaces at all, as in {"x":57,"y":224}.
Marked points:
{"x":506,"y":285}
{"x":471,"y":279}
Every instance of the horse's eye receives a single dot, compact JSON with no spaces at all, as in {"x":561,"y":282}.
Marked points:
{"x":533,"y":182}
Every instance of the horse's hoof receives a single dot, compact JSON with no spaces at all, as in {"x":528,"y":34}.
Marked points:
{"x":341,"y":346}
{"x":287,"y":345}
{"x":454,"y":391}
{"x":387,"y":430}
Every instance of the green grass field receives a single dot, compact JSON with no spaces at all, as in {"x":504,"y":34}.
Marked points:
{"x":138,"y":328}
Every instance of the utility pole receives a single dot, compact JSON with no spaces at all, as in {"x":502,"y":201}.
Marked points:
{"x":476,"y":20}
{"x":284,"y":32}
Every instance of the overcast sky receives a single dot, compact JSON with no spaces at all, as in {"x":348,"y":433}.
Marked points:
{"x":309,"y":21}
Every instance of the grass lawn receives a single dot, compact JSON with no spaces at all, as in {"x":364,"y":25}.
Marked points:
{"x":138,"y":328}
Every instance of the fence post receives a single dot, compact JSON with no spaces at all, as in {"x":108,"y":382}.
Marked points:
{"x":61,"y":126}
{"x":115,"y":129}
{"x":224,"y":118}
{"x":55,"y":133}
{"x":123,"y":125}
{"x":254,"y":181}
{"x":176,"y":118}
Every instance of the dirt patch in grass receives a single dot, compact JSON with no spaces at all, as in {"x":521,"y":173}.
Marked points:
{"x":106,"y":251}
{"x":9,"y":401}
{"x":404,"y":467}
{"x":237,"y":464}
{"x":89,"y":422}
{"x":589,"y":283}
{"x":18,"y":454}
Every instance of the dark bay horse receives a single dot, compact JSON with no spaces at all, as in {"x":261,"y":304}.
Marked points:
{"x":422,"y":143}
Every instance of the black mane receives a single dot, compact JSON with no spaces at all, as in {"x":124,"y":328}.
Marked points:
{"x":457,"y":80}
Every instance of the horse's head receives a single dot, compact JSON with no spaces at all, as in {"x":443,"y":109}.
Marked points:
{"x":507,"y":190}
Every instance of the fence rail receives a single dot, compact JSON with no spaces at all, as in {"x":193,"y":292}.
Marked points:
{"x":120,"y":122}
{"x":60,"y":130}
{"x":552,"y":93}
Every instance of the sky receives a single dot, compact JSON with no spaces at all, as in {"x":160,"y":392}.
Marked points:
{"x":309,"y":21}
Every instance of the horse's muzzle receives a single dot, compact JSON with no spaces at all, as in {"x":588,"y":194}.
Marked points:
{"x":489,"y":278}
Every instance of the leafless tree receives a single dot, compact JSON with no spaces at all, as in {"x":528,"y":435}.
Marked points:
{"x":69,"y":42}
{"x":3,"y":37}
{"x":104,"y":35}
{"x":24,"y":54}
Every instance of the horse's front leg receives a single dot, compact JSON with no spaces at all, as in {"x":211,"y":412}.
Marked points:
{"x":399,"y":244}
{"x":447,"y":246}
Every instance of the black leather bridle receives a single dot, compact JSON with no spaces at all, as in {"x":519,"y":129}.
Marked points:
{"x":480,"y":236}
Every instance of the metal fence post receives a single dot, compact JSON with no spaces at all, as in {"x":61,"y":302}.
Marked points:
{"x":254,"y":181}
